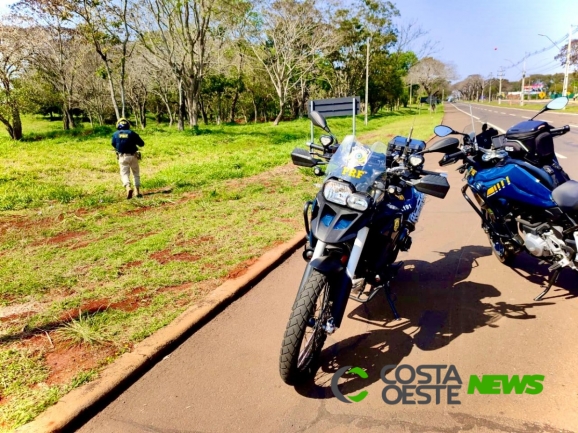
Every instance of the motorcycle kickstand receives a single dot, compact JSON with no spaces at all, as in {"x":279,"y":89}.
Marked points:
{"x":391,"y":302}
{"x":551,"y":281}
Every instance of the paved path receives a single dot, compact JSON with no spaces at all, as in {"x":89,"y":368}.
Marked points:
{"x":504,"y":118}
{"x":460,"y":307}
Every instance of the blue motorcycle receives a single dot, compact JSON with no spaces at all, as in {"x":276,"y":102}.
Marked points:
{"x":524,"y":198}
{"x":361,"y":218}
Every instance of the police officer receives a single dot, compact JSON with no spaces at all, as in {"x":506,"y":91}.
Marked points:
{"x":125,"y":142}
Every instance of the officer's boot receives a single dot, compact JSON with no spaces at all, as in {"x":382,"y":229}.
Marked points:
{"x":137,"y":190}
{"x":128,"y":192}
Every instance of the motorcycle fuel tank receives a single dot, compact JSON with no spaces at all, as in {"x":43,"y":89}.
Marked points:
{"x":511,"y":182}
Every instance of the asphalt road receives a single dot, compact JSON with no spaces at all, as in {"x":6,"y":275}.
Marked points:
{"x":505,"y":118}
{"x":460,"y":307}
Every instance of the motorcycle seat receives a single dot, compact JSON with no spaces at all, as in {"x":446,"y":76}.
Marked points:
{"x":566,"y":195}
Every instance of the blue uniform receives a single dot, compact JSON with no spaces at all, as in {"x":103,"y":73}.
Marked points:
{"x":126,"y":141}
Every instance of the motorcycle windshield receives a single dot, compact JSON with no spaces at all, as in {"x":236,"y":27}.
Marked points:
{"x":359,"y":164}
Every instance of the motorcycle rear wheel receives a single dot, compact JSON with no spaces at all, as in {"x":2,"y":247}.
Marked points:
{"x":300,"y":350}
{"x":502,"y":253}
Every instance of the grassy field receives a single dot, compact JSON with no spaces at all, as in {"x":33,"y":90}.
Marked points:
{"x":85,"y":274}
{"x":572,"y":107}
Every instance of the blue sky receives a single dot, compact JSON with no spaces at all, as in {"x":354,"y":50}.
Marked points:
{"x":469,"y":32}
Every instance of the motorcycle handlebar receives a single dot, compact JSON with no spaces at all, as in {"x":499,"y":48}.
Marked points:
{"x":560,"y":131}
{"x":316,"y":147}
{"x":451,"y":158}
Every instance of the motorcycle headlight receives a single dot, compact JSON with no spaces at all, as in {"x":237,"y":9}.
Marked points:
{"x":337,"y":192}
{"x":358,"y":202}
{"x":416,"y":160}
{"x":326,"y":140}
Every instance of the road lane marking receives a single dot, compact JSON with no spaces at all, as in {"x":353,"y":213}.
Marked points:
{"x":502,"y":131}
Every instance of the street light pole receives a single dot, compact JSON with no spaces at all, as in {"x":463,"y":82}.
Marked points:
{"x":523,"y":82}
{"x":567,"y":67}
{"x":565,"y":88}
{"x":367,"y":81}
{"x":500,"y":91}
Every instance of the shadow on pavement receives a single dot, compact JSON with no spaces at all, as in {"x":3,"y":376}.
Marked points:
{"x":436,"y":307}
{"x":537,"y":276}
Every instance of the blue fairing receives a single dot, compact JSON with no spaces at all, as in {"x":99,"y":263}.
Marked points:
{"x":511,"y":182}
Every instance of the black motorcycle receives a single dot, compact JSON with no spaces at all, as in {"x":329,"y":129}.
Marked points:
{"x":361,"y":218}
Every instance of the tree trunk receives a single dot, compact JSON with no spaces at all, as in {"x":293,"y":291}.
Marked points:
{"x":181,"y":107}
{"x":111,"y":88}
{"x":16,"y":123}
{"x":234,"y":105}
{"x":203,"y":111}
{"x":65,"y":120}
{"x":280,"y":115}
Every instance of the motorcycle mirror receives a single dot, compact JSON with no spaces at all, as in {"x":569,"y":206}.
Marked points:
{"x":318,"y":120}
{"x":442,"y":130}
{"x":554,"y":104}
{"x":558,"y":103}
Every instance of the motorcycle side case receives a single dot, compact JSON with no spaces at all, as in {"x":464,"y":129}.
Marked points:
{"x":535,"y":137}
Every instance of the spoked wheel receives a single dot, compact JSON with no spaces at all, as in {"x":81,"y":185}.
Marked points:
{"x":305,"y":333}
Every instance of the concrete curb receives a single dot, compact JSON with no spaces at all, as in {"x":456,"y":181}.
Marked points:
{"x":72,"y":410}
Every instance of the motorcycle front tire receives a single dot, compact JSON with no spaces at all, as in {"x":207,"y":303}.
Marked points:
{"x":309,"y":300}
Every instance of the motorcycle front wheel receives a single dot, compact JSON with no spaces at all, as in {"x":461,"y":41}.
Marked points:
{"x":305,"y":333}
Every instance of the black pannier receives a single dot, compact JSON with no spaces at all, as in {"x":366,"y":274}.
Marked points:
{"x":535,"y":141}
{"x":531,"y":141}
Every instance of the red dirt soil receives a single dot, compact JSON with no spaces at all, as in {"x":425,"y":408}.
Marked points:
{"x":65,"y":362}
{"x":241,"y":269}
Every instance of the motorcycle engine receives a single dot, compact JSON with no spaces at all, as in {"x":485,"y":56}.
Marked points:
{"x":540,"y":246}
{"x":536,"y":245}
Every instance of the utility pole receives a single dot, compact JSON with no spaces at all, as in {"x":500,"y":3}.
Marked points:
{"x":565,"y":88}
{"x":490,"y":95}
{"x":523,"y":82}
{"x":367,"y":81}
{"x":500,"y":91}
{"x":410,"y":91}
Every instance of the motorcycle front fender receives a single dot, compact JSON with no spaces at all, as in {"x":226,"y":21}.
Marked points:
{"x":327,"y":265}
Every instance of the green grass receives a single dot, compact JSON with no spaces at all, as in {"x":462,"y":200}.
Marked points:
{"x":105,"y":272}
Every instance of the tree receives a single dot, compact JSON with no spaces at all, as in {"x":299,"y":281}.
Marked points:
{"x":12,"y":59}
{"x":287,"y":41}
{"x":54,"y":49}
{"x":104,"y":25}
{"x":431,"y":74}
{"x":561,"y":56}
